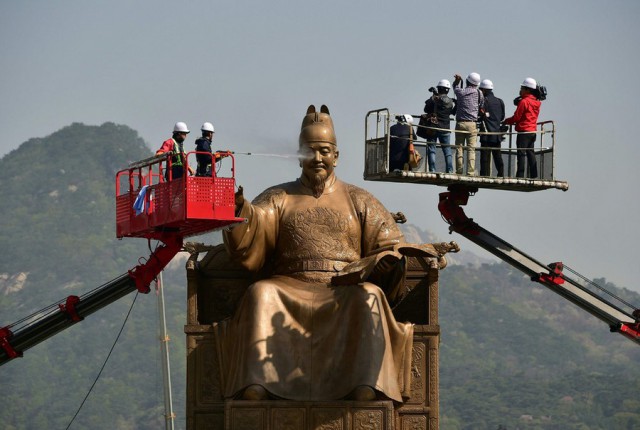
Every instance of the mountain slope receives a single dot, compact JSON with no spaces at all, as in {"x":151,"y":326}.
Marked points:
{"x":58,"y":238}
{"x":511,"y":348}
{"x":56,"y":187}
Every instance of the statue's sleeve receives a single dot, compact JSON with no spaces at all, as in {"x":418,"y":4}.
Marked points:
{"x":379,"y":233}
{"x":379,"y":230}
{"x":252,"y":243}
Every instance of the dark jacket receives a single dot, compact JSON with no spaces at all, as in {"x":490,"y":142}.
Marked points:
{"x":399,"y":145}
{"x":443,"y":106}
{"x":493,"y":115}
{"x":203,"y":145}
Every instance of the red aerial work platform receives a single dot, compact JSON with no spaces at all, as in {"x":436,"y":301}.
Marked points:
{"x":148,"y":203}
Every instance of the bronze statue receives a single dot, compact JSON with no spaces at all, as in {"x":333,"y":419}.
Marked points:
{"x":296,"y":335}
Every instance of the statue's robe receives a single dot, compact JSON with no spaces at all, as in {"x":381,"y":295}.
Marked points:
{"x":294,"y":333}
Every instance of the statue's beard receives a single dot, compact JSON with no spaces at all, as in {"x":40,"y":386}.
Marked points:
{"x":318,"y":182}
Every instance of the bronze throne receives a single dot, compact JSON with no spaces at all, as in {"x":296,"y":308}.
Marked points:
{"x":215,"y":286}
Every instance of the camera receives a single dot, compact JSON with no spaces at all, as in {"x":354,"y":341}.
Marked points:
{"x":541,"y":92}
{"x":433,"y":90}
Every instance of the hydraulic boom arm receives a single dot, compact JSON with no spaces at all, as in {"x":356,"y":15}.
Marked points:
{"x":551,"y":276}
{"x":74,"y":308}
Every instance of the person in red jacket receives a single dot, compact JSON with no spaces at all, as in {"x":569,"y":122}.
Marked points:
{"x":174,"y":146}
{"x":525,"y":119}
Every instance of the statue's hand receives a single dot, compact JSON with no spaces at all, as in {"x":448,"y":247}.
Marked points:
{"x":388,"y":275}
{"x":239,"y":198}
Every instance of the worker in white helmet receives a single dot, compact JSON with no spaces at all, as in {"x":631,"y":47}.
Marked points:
{"x":525,"y":120}
{"x":401,"y":136}
{"x":203,"y":144}
{"x":491,"y":115}
{"x":174,"y":146}
{"x":204,"y":148}
{"x":441,"y":106}
{"x":469,"y":102}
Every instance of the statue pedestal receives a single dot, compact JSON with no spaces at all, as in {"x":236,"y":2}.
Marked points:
{"x":215,"y":286}
{"x":287,"y":415}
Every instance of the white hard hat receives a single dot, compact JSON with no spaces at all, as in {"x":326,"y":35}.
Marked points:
{"x":207,"y":126}
{"x":473,"y":78}
{"x":408,"y":118}
{"x":486,"y":84}
{"x":530,"y":83}
{"x":444,"y":83}
{"x":180,"y":127}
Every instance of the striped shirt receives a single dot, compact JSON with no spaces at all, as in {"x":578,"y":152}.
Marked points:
{"x":470,"y":99}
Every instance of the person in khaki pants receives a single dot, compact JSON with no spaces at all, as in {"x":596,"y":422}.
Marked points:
{"x":469,"y":101}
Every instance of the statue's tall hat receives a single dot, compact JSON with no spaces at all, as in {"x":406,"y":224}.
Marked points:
{"x":317,"y":126}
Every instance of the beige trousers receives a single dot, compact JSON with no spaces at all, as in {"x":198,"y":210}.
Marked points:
{"x":469,"y":139}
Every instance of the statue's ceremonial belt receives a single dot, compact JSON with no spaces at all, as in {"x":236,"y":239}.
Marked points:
{"x":313,"y":266}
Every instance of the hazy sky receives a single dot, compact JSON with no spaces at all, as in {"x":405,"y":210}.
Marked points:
{"x":252,"y":68}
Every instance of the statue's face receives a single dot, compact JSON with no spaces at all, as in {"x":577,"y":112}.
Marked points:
{"x":318,"y":159}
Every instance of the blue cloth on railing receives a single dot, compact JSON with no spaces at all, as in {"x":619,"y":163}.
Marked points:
{"x":140,"y":204}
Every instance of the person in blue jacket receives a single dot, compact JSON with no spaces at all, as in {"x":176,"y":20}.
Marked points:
{"x":203,"y":144}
